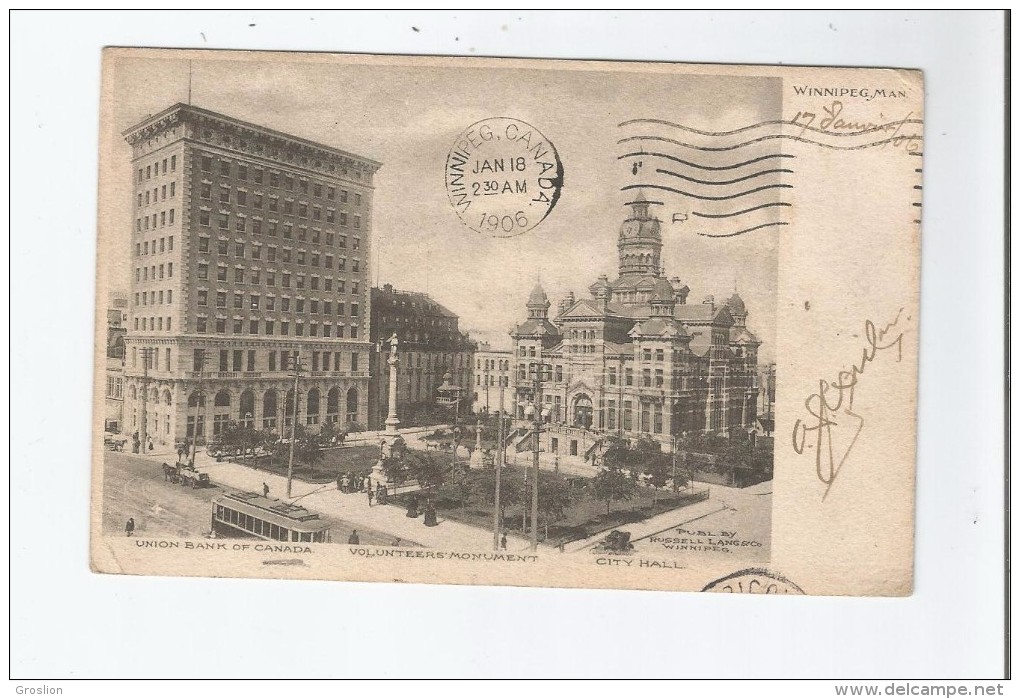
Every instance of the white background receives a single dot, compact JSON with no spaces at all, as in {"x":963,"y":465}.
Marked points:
{"x":70,"y":623}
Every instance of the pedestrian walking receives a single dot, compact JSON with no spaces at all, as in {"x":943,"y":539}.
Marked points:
{"x":368,"y":483}
{"x":265,"y":489}
{"x":502,"y":542}
{"x":346,"y":484}
{"x":353,"y":538}
{"x":370,"y":498}
{"x":338,"y":481}
{"x":129,"y":528}
{"x":150,"y":443}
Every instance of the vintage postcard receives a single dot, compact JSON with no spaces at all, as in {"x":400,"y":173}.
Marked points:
{"x":507,"y":322}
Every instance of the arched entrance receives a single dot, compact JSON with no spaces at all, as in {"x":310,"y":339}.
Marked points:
{"x":269,"y":409}
{"x":312,"y":407}
{"x":581,"y":414}
{"x":352,"y":406}
{"x":288,"y":409}
{"x":221,"y":411}
{"x":247,"y":408}
{"x":333,"y":406}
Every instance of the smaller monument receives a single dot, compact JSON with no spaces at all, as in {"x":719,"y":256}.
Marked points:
{"x":476,"y":456}
{"x":391,"y":444}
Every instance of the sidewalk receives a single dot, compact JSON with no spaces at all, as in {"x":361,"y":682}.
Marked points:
{"x":352,"y":507}
{"x":722,"y":498}
{"x":654,"y":525}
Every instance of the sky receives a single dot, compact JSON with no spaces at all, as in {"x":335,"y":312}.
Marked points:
{"x":408,"y":118}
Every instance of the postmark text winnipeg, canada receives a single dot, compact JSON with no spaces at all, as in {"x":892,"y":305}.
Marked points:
{"x":503,"y":177}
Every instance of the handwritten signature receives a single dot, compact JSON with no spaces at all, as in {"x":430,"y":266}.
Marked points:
{"x":832,"y":122}
{"x":837,"y":399}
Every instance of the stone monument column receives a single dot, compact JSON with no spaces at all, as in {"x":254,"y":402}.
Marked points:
{"x":476,"y":456}
{"x":391,"y":439}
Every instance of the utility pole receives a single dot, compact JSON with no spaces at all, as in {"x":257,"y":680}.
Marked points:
{"x":676,"y":490}
{"x":456,"y":419}
{"x":199,"y":404}
{"x":539,"y":368}
{"x":497,"y":524}
{"x":297,"y":367}
{"x":143,"y":431}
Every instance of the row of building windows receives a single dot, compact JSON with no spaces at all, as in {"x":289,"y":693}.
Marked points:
{"x":245,"y":360}
{"x":272,"y":228}
{"x":157,"y":220}
{"x":650,"y":416}
{"x":149,"y":298}
{"x":417,"y":322}
{"x":314,"y":258}
{"x":152,"y":354}
{"x":255,"y":301}
{"x":272,"y":203}
{"x":241,"y":171}
{"x":649,"y":378}
{"x":270,"y":327}
{"x":157,"y":194}
{"x":152,"y":323}
{"x":491,"y":380}
{"x":144,"y":274}
{"x":149,"y":171}
{"x":490,"y":364}
{"x":256,"y":277}
{"x":166,"y":244}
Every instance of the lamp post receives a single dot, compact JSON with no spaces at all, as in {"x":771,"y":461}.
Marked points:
{"x":500,"y":456}
{"x":200,"y":356}
{"x":450,"y":393}
{"x":249,"y":424}
{"x":144,"y":429}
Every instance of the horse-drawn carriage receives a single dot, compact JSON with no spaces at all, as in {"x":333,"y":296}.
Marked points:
{"x":113,"y":443}
{"x":185,"y":474}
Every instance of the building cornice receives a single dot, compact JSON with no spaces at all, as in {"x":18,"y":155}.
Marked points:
{"x":179,"y":113}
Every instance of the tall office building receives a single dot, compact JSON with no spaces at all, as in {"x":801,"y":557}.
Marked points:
{"x":249,"y":247}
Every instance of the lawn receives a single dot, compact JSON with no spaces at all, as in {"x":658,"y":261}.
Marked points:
{"x":358,"y":460}
{"x":584,"y":516}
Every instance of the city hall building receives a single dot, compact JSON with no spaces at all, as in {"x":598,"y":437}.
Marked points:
{"x":249,"y":248}
{"x":635,"y":358}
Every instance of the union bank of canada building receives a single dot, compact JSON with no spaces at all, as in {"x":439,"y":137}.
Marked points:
{"x":249,"y":248}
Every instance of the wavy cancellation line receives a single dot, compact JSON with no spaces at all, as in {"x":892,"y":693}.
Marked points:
{"x":746,"y":230}
{"x":688,"y":163}
{"x":761,"y":139}
{"x":723,"y":182}
{"x":705,"y":197}
{"x":875,"y":128}
{"x":745,"y":211}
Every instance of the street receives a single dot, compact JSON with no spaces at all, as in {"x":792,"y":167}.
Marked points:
{"x":133,"y":486}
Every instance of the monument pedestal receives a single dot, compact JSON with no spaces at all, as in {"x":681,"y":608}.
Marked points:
{"x":392,"y":445}
{"x":476,"y":459}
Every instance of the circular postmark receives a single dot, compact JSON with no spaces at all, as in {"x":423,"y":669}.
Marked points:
{"x":754,"y":581}
{"x":503,"y":177}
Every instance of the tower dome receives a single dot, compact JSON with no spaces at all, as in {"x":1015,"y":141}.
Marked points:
{"x":538,"y":297}
{"x":736,"y":304}
{"x":640,"y":240}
